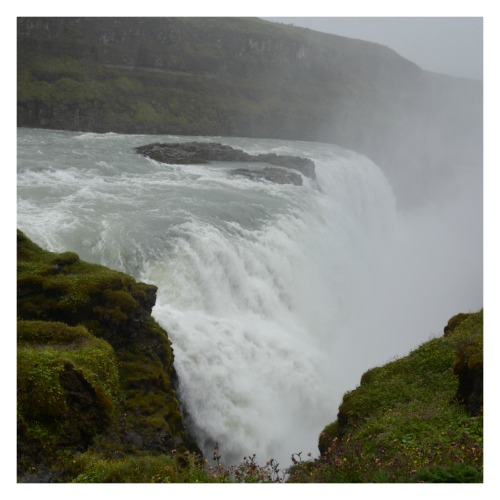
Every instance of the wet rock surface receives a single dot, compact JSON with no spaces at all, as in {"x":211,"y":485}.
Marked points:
{"x":282,"y":169}
{"x":273,"y":174}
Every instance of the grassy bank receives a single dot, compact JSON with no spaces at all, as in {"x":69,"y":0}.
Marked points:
{"x":411,"y":420}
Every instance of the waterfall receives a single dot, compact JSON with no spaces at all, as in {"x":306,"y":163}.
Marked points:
{"x":276,"y":297}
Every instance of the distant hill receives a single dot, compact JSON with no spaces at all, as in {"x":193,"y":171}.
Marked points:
{"x":253,"y":78}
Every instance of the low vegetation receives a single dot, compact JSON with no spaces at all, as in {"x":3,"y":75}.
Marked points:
{"x":69,"y":94}
{"x":408,"y":421}
{"x":95,"y":371}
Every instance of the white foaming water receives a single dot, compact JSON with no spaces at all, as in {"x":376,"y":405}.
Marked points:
{"x":276,"y":297}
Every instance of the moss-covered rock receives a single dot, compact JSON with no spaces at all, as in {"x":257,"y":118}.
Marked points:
{"x":67,"y":386}
{"x":95,"y":370}
{"x":468,"y":365}
{"x":453,"y":322}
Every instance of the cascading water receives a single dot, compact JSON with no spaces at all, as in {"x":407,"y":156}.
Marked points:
{"x":276,"y":297}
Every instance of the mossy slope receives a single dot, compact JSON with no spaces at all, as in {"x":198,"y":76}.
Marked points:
{"x":95,"y":371}
{"x":407,"y":421}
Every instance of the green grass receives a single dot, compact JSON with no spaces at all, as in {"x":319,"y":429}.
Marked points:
{"x":404,"y":422}
{"x":185,"y":468}
{"x":45,"y":349}
{"x":65,"y":91}
{"x":95,"y":370}
{"x":67,"y":389}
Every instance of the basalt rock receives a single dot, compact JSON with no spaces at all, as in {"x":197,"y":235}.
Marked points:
{"x":207,"y":152}
{"x":468,"y":366}
{"x":272,"y":174}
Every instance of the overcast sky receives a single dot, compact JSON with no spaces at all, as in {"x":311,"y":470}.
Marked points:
{"x":450,"y":45}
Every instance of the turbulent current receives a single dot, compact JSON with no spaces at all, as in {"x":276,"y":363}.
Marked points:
{"x":276,"y":297}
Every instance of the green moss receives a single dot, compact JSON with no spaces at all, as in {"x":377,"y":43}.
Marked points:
{"x":113,"y":316}
{"x":45,"y":332}
{"x":369,"y":375}
{"x":67,"y":390}
{"x":327,"y":436}
{"x":404,"y":418}
{"x":61,"y":287}
{"x":38,"y":390}
{"x":456,"y":473}
{"x":468,"y":366}
{"x":135,"y":372}
{"x":145,"y":469}
{"x":454,"y":322}
{"x":45,"y":350}
{"x":94,"y":368}
{"x":66,"y":259}
{"x":470,"y":355}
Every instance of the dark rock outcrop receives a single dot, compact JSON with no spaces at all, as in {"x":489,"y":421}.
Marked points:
{"x":207,"y":152}
{"x":468,"y":366}
{"x":453,"y":323}
{"x":186,"y":153}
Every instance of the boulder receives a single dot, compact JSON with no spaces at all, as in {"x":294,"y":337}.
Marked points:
{"x":207,"y":152}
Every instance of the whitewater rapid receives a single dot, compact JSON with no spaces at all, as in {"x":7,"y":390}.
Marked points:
{"x":276,"y":297}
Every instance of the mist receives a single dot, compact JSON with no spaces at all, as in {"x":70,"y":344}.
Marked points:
{"x":447,"y":45}
{"x":429,"y":269}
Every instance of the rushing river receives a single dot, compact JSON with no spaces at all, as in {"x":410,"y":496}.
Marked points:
{"x":276,"y":297}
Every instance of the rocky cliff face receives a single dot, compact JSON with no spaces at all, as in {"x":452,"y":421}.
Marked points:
{"x":94,"y":368}
{"x":214,"y":46}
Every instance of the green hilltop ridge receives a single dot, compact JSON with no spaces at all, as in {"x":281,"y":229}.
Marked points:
{"x":97,"y":401}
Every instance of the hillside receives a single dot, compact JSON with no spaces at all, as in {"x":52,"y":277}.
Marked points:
{"x":249,"y":77}
{"x":416,"y":419}
{"x":94,"y":369}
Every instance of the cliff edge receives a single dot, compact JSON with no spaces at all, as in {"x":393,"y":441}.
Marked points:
{"x":95,"y":370}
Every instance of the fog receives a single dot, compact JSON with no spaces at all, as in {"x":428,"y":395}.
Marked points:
{"x":449,"y":45}
{"x":431,"y":267}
